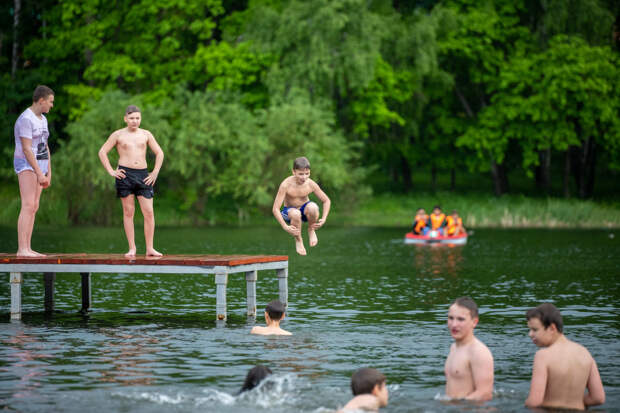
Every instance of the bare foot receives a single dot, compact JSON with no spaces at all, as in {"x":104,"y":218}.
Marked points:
{"x":27,"y":253}
{"x":312,"y":237}
{"x":131,"y":253}
{"x":153,"y":253}
{"x":299,"y":246}
{"x":38,"y":254}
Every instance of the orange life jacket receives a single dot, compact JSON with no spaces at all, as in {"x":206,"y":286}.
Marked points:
{"x":437,"y":221}
{"x":452,"y":224}
{"x":418,"y":226}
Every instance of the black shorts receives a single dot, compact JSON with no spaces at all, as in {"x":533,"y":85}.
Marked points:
{"x":133,"y":183}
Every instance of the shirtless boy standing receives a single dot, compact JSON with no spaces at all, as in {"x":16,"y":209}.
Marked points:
{"x":274,"y":313}
{"x":293,"y":192}
{"x":132,"y":176}
{"x":562,"y":369}
{"x":469,"y":366}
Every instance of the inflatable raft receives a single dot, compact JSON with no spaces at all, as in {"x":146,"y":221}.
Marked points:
{"x":433,"y":237}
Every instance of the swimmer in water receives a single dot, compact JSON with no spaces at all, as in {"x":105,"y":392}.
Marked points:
{"x":254,"y":377}
{"x":274,"y":313}
{"x":370,"y":391}
{"x":469,"y":366}
{"x":562,"y":369}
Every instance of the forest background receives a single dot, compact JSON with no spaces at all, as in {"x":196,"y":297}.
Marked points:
{"x":507,"y":110}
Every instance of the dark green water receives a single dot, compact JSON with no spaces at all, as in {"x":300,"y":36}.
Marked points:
{"x":361,"y":298}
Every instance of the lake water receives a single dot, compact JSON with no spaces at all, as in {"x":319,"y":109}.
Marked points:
{"x":360,"y":298}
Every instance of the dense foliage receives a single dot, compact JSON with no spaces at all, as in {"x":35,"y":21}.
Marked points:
{"x":374,"y":93}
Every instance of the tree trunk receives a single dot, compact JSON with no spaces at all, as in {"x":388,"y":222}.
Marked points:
{"x":433,"y":178}
{"x":17,"y":11}
{"x":543,"y":171}
{"x":406,"y":171}
{"x":585,"y":170}
{"x":452,"y":179}
{"x":500,"y":180}
{"x":566,"y":177}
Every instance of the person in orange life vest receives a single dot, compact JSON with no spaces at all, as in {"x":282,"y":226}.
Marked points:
{"x":454,"y":224}
{"x":419,"y":222}
{"x":437,"y":220}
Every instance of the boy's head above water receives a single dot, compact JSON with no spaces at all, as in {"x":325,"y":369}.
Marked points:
{"x":547,"y":314}
{"x":275,"y":310}
{"x":255,"y":376}
{"x":367,"y":381}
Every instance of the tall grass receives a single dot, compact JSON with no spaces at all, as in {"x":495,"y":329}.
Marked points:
{"x":481,"y":211}
{"x":477,"y":211}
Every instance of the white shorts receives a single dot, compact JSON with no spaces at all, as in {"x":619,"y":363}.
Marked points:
{"x":22,"y":164}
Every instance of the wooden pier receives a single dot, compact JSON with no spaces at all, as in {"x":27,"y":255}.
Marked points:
{"x":87,"y":264}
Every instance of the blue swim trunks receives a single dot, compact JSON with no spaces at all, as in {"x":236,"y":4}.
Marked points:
{"x":284,"y":213}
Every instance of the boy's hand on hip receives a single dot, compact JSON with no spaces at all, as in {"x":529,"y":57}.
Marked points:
{"x":118,"y":173}
{"x":294,"y":231}
{"x":150,"y":179}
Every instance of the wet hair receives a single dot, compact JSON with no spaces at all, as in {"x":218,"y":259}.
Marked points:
{"x":275,"y":310}
{"x":41,"y":92}
{"x":468,"y":303}
{"x":301,"y":163}
{"x":131,"y":109}
{"x":548,"y":314}
{"x":254,"y":377}
{"x":364,"y":380}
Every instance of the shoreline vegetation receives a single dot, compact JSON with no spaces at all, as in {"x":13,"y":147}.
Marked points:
{"x":383,"y":210}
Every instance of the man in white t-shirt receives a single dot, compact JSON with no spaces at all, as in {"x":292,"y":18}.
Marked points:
{"x":32,"y":164}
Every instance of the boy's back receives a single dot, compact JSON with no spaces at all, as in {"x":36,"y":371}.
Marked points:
{"x":568,"y":366}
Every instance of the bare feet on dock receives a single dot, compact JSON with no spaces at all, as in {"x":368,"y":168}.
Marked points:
{"x":29,"y":253}
{"x":299,"y":246}
{"x":153,"y":253}
{"x":131,"y":253}
{"x":313,"y":240}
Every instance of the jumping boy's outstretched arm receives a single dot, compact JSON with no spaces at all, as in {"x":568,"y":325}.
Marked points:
{"x":277,"y":203}
{"x":159,"y":159}
{"x":326,"y":204}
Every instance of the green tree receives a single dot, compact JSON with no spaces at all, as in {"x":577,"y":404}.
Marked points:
{"x":562,"y":99}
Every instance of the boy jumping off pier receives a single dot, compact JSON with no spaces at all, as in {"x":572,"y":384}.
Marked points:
{"x":293,"y":193}
{"x":132,"y":176}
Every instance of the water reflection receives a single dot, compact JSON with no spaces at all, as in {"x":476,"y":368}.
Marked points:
{"x":438,"y":259}
{"x":130,"y":357}
{"x":24,"y":355}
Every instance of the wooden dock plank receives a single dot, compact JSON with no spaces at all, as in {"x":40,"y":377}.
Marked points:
{"x":85,"y":264}
{"x":119,"y":259}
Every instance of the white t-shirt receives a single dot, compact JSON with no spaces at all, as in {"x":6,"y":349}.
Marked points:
{"x":28,"y":125}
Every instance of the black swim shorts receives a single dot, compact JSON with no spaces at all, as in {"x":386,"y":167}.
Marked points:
{"x":133,"y":183}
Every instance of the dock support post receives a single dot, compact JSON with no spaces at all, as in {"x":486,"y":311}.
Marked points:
{"x":15,"y":279}
{"x":48,"y":281}
{"x":220,"y":304}
{"x":250,"y":278}
{"x":282,"y":274}
{"x":86,"y":292}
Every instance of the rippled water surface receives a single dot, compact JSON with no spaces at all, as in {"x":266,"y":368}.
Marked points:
{"x":360,"y":298}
